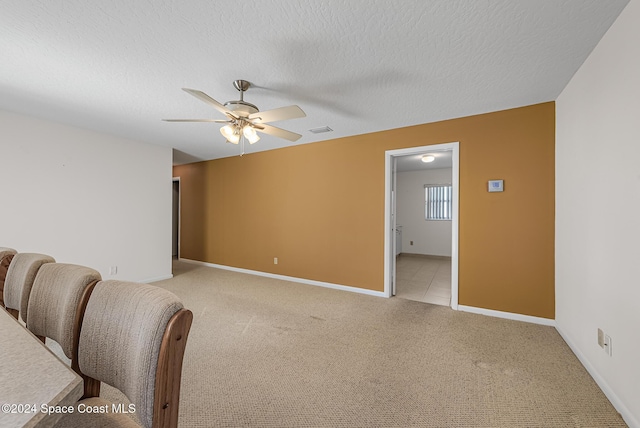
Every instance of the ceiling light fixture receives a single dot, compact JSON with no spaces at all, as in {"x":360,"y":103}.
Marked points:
{"x":428,"y":158}
{"x":244,"y":120}
{"x":250,"y":134}
{"x":231,"y":133}
{"x":238,"y":131}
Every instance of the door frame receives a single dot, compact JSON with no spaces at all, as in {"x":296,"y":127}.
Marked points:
{"x":177,"y":220}
{"x":389,"y":229}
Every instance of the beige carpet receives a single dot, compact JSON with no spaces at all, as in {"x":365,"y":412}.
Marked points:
{"x":270,"y":353}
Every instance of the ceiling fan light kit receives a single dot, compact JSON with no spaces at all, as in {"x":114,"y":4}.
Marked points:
{"x":230,"y":132}
{"x":250,"y":134}
{"x":245,"y":120}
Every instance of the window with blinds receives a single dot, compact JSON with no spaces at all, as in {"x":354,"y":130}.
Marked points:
{"x":437,"y":201}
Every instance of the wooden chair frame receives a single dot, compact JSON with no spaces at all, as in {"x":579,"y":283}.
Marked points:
{"x":13,"y":312}
{"x":77,"y":324}
{"x":4,"y":266}
{"x":166,"y":401}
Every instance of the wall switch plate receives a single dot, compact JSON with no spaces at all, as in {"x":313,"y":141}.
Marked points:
{"x":275,"y":260}
{"x":607,"y":344}
{"x":601,"y":338}
{"x":496,"y":185}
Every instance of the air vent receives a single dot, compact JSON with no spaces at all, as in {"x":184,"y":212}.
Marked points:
{"x":321,"y":130}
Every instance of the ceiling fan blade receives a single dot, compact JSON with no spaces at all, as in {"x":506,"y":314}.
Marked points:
{"x":197,"y":120}
{"x":282,"y":113}
{"x":278,"y":132}
{"x":207,"y":99}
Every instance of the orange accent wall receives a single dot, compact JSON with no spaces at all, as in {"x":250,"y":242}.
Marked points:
{"x":319,"y":208}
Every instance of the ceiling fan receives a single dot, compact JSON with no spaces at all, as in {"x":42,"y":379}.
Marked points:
{"x":244,"y":119}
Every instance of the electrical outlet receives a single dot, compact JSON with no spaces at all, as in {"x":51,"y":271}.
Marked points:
{"x":275,"y":260}
{"x":607,"y":344}
{"x":113,"y":270}
{"x":601,"y":338}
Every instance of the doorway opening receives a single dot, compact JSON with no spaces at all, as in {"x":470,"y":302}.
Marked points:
{"x":175,"y":220}
{"x":393,"y":235}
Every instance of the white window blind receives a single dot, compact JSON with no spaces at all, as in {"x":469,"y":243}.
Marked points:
{"x":437,"y":201}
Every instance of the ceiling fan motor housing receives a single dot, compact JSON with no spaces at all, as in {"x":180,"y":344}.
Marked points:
{"x":241,"y":108}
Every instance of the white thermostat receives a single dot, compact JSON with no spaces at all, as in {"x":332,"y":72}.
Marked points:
{"x":496,"y":185}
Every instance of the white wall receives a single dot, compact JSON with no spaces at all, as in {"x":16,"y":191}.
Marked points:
{"x":429,"y":237}
{"x":598,"y":212}
{"x":85,"y":198}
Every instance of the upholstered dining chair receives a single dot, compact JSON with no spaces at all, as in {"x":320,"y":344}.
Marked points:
{"x":56,"y":305}
{"x":133,"y":338}
{"x":19,"y":281}
{"x":6,"y":255}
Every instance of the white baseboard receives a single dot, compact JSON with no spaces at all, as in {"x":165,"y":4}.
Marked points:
{"x":508,"y":315}
{"x":604,"y":386}
{"x":159,"y":278}
{"x":290,"y":278}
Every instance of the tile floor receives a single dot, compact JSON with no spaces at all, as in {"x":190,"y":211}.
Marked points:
{"x":424,"y":279}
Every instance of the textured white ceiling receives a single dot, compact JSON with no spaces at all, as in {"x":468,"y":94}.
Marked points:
{"x":357,"y":66}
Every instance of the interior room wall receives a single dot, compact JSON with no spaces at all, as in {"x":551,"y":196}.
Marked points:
{"x":429,"y":237}
{"x":85,"y":198}
{"x":319,"y":208}
{"x":598,"y":207}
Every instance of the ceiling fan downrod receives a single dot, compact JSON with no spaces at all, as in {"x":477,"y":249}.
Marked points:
{"x":241,"y":85}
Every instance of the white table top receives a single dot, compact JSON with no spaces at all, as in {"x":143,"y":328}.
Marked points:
{"x":31,"y":375}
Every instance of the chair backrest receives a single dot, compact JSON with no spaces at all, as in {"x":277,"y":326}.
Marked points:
{"x":57,"y":301}
{"x":6,"y":255}
{"x":19,"y":281}
{"x":133,"y":338}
